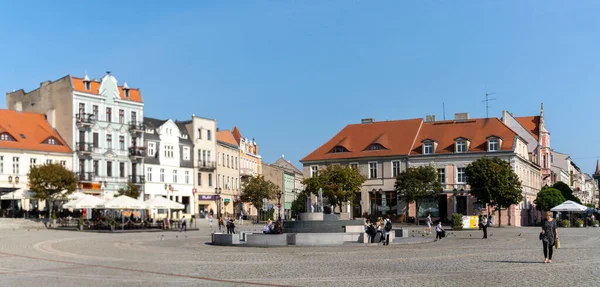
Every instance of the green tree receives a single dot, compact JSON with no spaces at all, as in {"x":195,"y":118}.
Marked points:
{"x":299,"y":204}
{"x":566,"y":191}
{"x":339,"y":184}
{"x":548,"y":198}
{"x":417,"y":183}
{"x":256,"y":189}
{"x":51,"y":182}
{"x":494,"y":183}
{"x":130,"y":190}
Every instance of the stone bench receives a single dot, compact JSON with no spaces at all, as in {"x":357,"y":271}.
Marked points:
{"x":364,"y":237}
{"x":244,"y":235}
{"x":225,"y":239}
{"x":267,"y":240}
{"x":354,"y":228}
{"x":322,"y":239}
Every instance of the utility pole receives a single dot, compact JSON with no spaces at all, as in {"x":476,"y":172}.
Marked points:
{"x":487,"y":101}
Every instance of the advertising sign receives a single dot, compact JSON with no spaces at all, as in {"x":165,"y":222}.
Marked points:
{"x":470,"y":222}
{"x":208,"y":197}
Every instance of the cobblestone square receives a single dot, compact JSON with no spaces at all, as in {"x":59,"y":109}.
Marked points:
{"x":510,"y":257}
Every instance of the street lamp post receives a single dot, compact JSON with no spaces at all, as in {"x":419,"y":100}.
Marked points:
{"x":12,"y":203}
{"x":218,"y":201}
{"x":279,"y":204}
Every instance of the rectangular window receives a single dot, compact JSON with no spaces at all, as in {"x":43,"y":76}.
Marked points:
{"x":108,"y":141}
{"x":81,"y":109}
{"x":373,"y":169}
{"x":162,"y":175}
{"x":96,"y":167}
{"x":208,"y":156}
{"x":133,"y":117}
{"x":186,"y":153}
{"x":48,"y":161}
{"x":187,"y":177}
{"x":461,"y":177}
{"x":199,"y":133}
{"x":203,"y":155}
{"x":461,"y":146}
{"x":395,"y":168}
{"x":174,"y":176}
{"x":208,"y":134}
{"x":122,"y":142}
{"x":427,"y":148}
{"x":150,"y":149}
{"x":109,"y":168}
{"x":442,"y":175}
{"x":95,"y":112}
{"x":493,"y":145}
{"x":314,"y":169}
{"x":16,"y":165}
{"x":121,"y":116}
{"x":32,"y":162}
{"x":544,"y":161}
{"x":210,"y":179}
{"x":109,"y":114}
{"x":121,"y":169}
{"x":227,"y":160}
{"x":199,"y":179}
{"x":95,"y":139}
{"x":63,"y":163}
{"x":149,"y":174}
{"x":236,"y":167}
{"x":1,"y":164}
{"x":354,"y":165}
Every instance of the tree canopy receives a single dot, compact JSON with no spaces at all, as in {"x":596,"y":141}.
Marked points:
{"x":339,"y":183}
{"x":566,"y":191}
{"x":494,"y":183}
{"x":256,"y":189}
{"x":130,"y":190}
{"x":548,"y":198}
{"x":417,"y":183}
{"x":51,"y":182}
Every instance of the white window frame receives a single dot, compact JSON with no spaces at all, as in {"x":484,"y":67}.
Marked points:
{"x":149,"y":174}
{"x":32,"y":161}
{"x":314,"y":169}
{"x":399,"y":168}
{"x":1,"y":164}
{"x":186,"y":153}
{"x":425,"y":145}
{"x":464,"y":177}
{"x":187,"y":177}
{"x":442,"y":173}
{"x":495,"y":140}
{"x":369,"y":171}
{"x":461,"y":146}
{"x":162,"y":175}
{"x":15,"y":165}
{"x":355,"y":165}
{"x":63,"y":163}
{"x":174,"y":176}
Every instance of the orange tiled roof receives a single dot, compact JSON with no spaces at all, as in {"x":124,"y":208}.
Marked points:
{"x":35,"y":130}
{"x":475,"y":130}
{"x":226,"y":136}
{"x":396,"y":136}
{"x":134,"y":94}
{"x":236,"y":134}
{"x":532,"y":125}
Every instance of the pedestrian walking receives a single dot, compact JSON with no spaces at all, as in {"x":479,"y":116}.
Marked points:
{"x":183,"y":225}
{"x":484,"y":226}
{"x":386,"y":230}
{"x":221,"y":225}
{"x":210,"y":220}
{"x":439,"y":230}
{"x":549,"y":236}
{"x":428,"y":222}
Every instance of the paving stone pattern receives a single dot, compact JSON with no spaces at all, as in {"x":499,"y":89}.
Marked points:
{"x":67,"y":258}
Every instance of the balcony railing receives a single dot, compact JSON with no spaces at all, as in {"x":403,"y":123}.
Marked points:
{"x":137,"y":152}
{"x":84,"y":119}
{"x":85,"y":176}
{"x":207,"y":165}
{"x":137,"y":179}
{"x":136,"y":127}
{"x":84,"y":148}
{"x":244,"y":171}
{"x":459,"y":187}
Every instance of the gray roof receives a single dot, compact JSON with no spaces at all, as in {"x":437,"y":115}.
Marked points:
{"x":183,"y":130}
{"x":152,"y":123}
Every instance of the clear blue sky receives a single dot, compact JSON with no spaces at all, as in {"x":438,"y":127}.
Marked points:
{"x":293,"y":73}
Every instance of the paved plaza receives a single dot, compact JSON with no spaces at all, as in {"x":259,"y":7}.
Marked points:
{"x":511,"y":257}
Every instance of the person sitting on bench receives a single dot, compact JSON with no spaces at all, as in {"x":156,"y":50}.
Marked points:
{"x":268,"y":228}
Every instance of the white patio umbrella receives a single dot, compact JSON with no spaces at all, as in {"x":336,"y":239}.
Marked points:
{"x":570,"y":206}
{"x":123,"y":202}
{"x":160,"y":202}
{"x":86,"y":201}
{"x":18,"y":194}
{"x":76,"y":195}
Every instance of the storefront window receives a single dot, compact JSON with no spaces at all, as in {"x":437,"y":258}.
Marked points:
{"x":383,"y":203}
{"x":429,"y":205}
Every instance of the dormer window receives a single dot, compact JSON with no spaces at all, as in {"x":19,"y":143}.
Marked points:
{"x":6,"y":137}
{"x":428,"y":148}
{"x":375,"y":147}
{"x":86,"y":85}
{"x":493,"y":144}
{"x":461,"y":146}
{"x":126,"y":92}
{"x":338,"y":149}
{"x":52,"y":141}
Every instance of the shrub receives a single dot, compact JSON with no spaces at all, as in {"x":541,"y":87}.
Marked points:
{"x":565,"y":223}
{"x":457,"y":223}
{"x":81,"y":221}
{"x":53,"y":215}
{"x":595,"y":222}
{"x":578,"y":223}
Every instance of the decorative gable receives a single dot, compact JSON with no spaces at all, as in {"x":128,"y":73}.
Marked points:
{"x":429,"y":146}
{"x":461,"y":145}
{"x":494,"y":143}
{"x":109,"y":88}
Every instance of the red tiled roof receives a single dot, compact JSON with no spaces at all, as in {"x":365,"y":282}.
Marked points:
{"x":236,"y":134}
{"x":226,"y":136}
{"x":396,"y":136}
{"x":34,"y":130}
{"x":475,"y":130}
{"x":532,"y":125}
{"x":134,"y":94}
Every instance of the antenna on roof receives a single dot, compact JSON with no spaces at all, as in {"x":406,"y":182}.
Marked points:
{"x":444,"y":109}
{"x":487,"y":101}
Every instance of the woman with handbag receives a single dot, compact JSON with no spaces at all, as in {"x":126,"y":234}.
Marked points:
{"x":549,"y":236}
